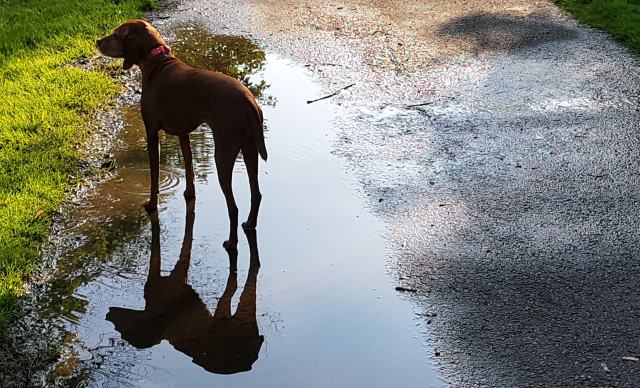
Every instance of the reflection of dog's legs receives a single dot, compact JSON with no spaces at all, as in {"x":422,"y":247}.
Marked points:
{"x":182,"y":266}
{"x":247,"y":304}
{"x":154,"y":261}
{"x":233,"y":260}
{"x":223,"y":309}
{"x":253,"y":247}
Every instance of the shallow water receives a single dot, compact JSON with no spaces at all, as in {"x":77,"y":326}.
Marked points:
{"x":318,"y":312}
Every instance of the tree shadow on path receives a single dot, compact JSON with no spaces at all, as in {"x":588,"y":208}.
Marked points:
{"x":505,"y":32}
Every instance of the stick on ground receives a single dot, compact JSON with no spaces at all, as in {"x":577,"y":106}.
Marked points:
{"x":330,"y":95}
{"x":417,"y":105}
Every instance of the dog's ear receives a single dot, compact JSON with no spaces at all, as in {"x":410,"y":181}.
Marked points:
{"x":132,"y":54}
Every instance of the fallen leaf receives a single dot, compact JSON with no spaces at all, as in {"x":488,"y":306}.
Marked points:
{"x":39,"y":214}
{"x":605,"y":367}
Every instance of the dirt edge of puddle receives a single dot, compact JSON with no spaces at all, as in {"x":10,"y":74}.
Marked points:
{"x":33,"y":343}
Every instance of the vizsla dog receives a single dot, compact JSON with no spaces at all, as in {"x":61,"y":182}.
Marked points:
{"x":177,"y":98}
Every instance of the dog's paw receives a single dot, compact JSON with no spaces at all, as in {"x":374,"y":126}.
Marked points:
{"x":230,"y":245}
{"x":150,"y":207}
{"x":248,"y":226}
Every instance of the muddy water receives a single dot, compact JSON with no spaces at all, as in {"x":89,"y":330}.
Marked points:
{"x":155,"y":301}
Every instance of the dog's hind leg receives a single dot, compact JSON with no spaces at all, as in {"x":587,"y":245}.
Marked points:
{"x":250,"y":156}
{"x":185,"y":145}
{"x":225,"y":156}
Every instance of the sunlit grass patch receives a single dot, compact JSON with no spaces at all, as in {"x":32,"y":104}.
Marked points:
{"x":44,"y":107}
{"x":621,"y":18}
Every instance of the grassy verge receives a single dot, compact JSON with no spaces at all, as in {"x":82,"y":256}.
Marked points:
{"x":621,"y":18}
{"x":44,"y":105}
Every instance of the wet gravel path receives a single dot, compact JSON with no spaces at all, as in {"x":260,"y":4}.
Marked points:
{"x":511,"y":194}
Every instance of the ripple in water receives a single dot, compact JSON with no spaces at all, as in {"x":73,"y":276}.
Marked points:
{"x":136,"y":181}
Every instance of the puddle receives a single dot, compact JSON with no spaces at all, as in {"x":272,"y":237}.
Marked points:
{"x":233,"y":55}
{"x":152,"y":301}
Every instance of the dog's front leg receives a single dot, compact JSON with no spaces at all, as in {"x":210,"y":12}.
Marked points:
{"x":185,"y":145}
{"x":153,"y":148}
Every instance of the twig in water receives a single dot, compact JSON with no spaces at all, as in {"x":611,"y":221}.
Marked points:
{"x":400,"y":288}
{"x":417,"y":105}
{"x":330,"y":95}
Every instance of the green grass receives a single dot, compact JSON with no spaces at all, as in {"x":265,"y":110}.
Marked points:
{"x":44,"y":107}
{"x":621,"y":18}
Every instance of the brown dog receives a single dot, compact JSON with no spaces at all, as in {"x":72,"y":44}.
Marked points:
{"x":177,"y":98}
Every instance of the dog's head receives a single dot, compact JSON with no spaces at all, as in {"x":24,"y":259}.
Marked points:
{"x":132,"y":41}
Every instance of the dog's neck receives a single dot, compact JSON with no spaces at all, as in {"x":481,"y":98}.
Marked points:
{"x":160,"y":50}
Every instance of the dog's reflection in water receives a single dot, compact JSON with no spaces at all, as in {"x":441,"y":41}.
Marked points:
{"x":221,"y":342}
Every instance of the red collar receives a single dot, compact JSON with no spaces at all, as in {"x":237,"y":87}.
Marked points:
{"x":162,"y":49}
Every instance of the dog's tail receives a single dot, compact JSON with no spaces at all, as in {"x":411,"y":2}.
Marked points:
{"x":257,"y":124}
